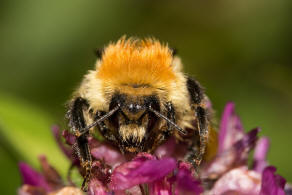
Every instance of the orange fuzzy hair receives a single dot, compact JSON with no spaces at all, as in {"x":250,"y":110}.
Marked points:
{"x":139,"y":62}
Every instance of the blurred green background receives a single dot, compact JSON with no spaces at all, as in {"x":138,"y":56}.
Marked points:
{"x":239,"y":50}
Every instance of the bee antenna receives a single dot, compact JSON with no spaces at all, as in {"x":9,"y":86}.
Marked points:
{"x":98,"y":52}
{"x":167,"y":120}
{"x":111,"y":112}
{"x":173,"y":51}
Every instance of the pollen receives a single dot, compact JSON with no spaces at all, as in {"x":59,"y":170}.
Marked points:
{"x":136,"y":62}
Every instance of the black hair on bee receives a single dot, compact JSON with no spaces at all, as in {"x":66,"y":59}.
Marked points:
{"x":137,"y":97}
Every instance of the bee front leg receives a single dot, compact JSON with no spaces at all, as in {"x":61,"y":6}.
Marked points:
{"x":82,"y":150}
{"x":80,"y":147}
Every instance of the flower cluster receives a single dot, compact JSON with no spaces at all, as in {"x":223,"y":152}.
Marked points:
{"x":164,"y":172}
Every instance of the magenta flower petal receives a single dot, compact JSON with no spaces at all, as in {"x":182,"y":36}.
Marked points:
{"x":66,"y":150}
{"x":143,"y":169}
{"x":167,"y":149}
{"x":173,"y":149}
{"x":185,"y":181}
{"x":233,"y":157}
{"x":238,"y":181}
{"x":182,"y":182}
{"x":246,"y":144}
{"x":162,"y":187}
{"x":95,"y":187}
{"x":32,"y":177}
{"x":51,"y":175}
{"x":272,"y":184}
{"x":260,"y":154}
{"x":107,"y":153}
{"x":231,"y":129}
{"x":69,"y":137}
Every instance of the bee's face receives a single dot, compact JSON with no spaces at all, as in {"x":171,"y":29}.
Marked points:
{"x":133,"y":124}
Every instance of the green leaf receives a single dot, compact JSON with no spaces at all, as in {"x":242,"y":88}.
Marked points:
{"x":9,"y":179}
{"x":25,"y":133}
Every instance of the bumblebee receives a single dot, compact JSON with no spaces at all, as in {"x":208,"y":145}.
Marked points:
{"x":137,"y":97}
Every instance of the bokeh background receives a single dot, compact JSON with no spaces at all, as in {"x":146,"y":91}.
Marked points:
{"x":239,"y":50}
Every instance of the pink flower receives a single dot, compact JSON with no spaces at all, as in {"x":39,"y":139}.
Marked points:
{"x":164,"y":172}
{"x":228,"y":172}
{"x":36,"y":183}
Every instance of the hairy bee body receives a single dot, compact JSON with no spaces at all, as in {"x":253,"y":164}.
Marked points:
{"x":137,"y":97}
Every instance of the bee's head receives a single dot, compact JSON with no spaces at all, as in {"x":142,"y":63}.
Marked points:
{"x":134,"y":123}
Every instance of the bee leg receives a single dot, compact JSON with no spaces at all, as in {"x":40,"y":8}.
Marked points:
{"x":199,"y":142}
{"x":198,"y":147}
{"x":203,"y":131}
{"x":168,"y":131}
{"x":103,"y":128}
{"x":81,"y":147}
{"x":82,"y":150}
{"x":171,"y":116}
